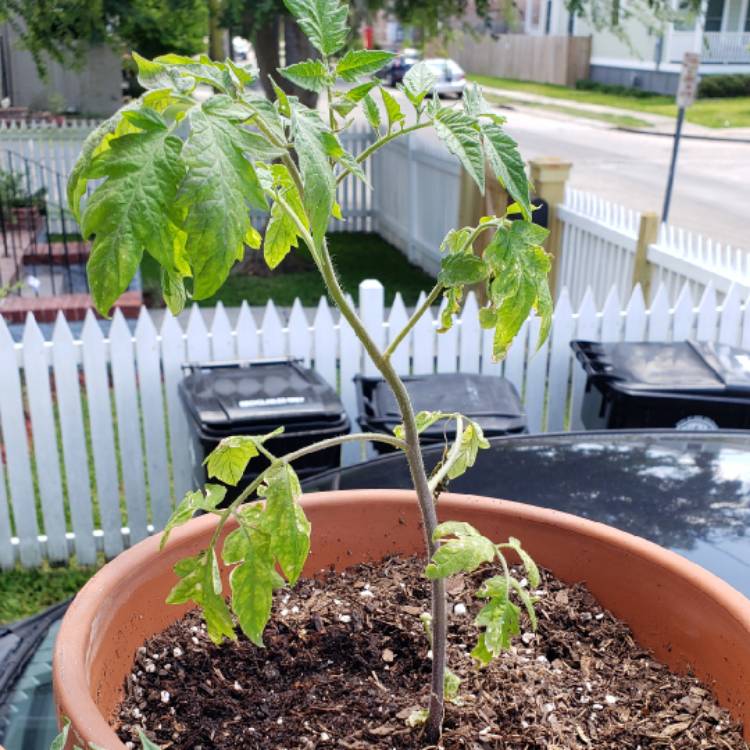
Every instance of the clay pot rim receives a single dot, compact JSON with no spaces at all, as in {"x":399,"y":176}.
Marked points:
{"x":71,"y":645}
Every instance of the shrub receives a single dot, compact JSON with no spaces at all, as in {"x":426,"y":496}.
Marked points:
{"x":610,"y":88}
{"x":724,"y":86}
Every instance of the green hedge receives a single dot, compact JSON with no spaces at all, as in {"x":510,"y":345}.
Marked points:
{"x":610,"y":88}
{"x":724,"y":86}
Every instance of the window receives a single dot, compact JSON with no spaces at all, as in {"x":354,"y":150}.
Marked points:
{"x":714,"y":15}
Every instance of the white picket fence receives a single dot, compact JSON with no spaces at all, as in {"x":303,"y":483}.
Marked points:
{"x":96,"y":443}
{"x":599,"y":246}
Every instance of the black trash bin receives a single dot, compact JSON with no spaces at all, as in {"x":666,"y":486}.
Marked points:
{"x":254,"y":398}
{"x":489,"y":400}
{"x":687,"y":385}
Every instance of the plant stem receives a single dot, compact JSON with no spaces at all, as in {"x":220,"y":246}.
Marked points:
{"x":451,"y":458}
{"x":434,"y":724}
{"x":418,"y":313}
{"x":381,"y":142}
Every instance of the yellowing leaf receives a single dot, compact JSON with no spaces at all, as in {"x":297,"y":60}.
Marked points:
{"x":228,"y":460}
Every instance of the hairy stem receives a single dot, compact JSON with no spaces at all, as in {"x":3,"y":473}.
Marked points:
{"x":418,"y":313}
{"x":413,"y":453}
{"x":380,"y":143}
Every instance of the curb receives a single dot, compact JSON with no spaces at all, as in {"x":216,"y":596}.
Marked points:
{"x":686,"y":136}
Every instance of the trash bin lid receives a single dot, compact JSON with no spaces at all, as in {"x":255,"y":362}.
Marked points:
{"x":491,"y":401}
{"x":674,"y":367}
{"x":260,"y":395}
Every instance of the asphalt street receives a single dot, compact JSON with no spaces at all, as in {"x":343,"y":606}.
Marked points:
{"x":712,"y":186}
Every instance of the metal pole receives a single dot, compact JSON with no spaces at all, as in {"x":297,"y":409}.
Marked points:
{"x":673,"y":165}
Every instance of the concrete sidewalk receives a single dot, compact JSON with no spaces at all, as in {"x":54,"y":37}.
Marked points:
{"x":658,"y":124}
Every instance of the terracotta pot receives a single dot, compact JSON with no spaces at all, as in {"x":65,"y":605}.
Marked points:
{"x":687,"y":616}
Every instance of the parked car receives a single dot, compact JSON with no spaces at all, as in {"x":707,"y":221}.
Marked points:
{"x":395,"y":71}
{"x":451,"y":79}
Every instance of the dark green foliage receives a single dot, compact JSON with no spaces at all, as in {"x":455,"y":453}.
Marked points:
{"x":724,"y":86}
{"x":584,"y":84}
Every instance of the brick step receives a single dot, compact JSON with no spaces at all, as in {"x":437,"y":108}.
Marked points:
{"x":73,"y":306}
{"x":43,"y":253}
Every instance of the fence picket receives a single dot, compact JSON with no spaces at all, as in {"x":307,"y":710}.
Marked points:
{"x":707,"y":315}
{"x":731,"y":317}
{"x":197,"y":337}
{"x":222,"y":341}
{"x":659,"y":318}
{"x":247,"y":333}
{"x":423,"y":342}
{"x":471,"y":336}
{"x":148,"y":359}
{"x":447,"y":347}
{"x":128,"y":426}
{"x":515,"y":360}
{"x":535,"y":378}
{"x":683,"y":316}
{"x":94,"y":360}
{"x":350,"y":350}
{"x":75,"y":455}
{"x":587,"y":330}
{"x":396,"y":322}
{"x":324,"y":340}
{"x":172,"y":357}
{"x":299,"y":334}
{"x":612,"y":317}
{"x":17,"y":454}
{"x":635,"y":316}
{"x":44,"y":433}
{"x":371,"y":311}
{"x":272,"y":333}
{"x":563,"y":326}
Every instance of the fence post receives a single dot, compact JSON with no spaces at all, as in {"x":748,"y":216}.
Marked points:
{"x":472,"y":206}
{"x":648,"y":233}
{"x":549,"y":176}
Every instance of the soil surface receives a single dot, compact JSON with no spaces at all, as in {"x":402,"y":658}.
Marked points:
{"x":346,"y":662}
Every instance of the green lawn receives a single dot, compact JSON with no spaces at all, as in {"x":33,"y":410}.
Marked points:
{"x":25,"y":592}
{"x":356,"y":255}
{"x":712,"y":113}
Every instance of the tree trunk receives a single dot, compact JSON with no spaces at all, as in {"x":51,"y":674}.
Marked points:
{"x":266,"y":45}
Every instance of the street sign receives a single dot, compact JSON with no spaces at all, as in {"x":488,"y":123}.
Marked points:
{"x":687,"y":88}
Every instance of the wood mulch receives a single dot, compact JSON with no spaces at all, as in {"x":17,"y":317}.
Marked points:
{"x":347,"y":662}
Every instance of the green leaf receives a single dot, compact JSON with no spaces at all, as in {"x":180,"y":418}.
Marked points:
{"x":451,"y":686}
{"x":459,"y":269}
{"x":452,"y":296}
{"x":419,"y":81}
{"x":362,"y":62}
{"x":145,"y":118}
{"x":473,"y":101}
{"x":61,"y":739}
{"x":455,"y":240}
{"x":480,"y":652}
{"x":311,"y":140}
{"x":285,"y":521}
{"x":423,"y":419}
{"x":472,"y":439}
{"x":488,"y":317}
{"x":392,"y":109}
{"x":156,"y":75}
{"x":460,"y":135}
{"x":198,"y":584}
{"x":312,"y":75}
{"x":207,"y":71}
{"x":129,"y":212}
{"x":357,"y":93}
{"x":282,"y":232}
{"x":173,"y":290}
{"x":228,"y":460}
{"x":527,"y":601}
{"x":500,"y":618}
{"x":507,"y":164}
{"x":464,"y":552}
{"x":215,"y":194}
{"x":253,"y":583}
{"x":146,"y":743}
{"x":243,"y":76}
{"x":520,"y":270}
{"x":372,"y":113}
{"x":532,"y":571}
{"x":324,"y":22}
{"x":192,"y":502}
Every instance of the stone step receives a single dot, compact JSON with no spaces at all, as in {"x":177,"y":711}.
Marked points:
{"x":73,"y":306}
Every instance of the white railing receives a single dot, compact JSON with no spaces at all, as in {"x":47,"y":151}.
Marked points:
{"x":718,"y":46}
{"x":58,"y":124}
{"x":96,"y":443}
{"x":598,"y":251}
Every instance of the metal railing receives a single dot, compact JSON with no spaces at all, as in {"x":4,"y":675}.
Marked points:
{"x":725,"y":47}
{"x":40,"y":241}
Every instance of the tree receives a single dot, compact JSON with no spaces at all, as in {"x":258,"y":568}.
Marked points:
{"x":62,"y":30}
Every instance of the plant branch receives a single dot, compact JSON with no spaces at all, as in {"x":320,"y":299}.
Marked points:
{"x":372,"y":148}
{"x":426,"y":305}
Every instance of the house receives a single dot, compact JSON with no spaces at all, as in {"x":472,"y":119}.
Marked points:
{"x":648,"y":60}
{"x":94,"y":88}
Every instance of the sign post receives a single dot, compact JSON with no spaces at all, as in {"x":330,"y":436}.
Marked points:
{"x":686,"y":93}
